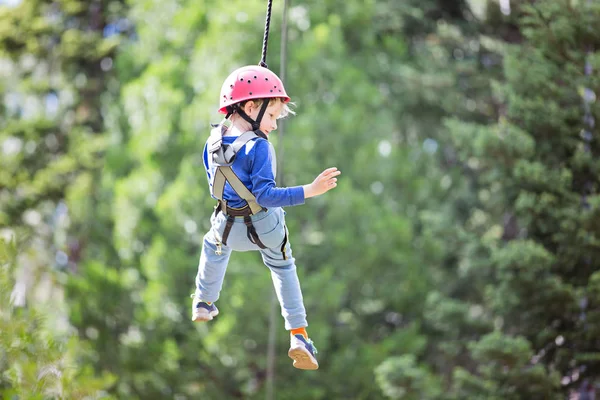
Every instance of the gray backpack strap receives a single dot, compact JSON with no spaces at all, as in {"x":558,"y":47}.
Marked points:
{"x":239,"y":188}
{"x":225,"y":154}
{"x":215,"y":140}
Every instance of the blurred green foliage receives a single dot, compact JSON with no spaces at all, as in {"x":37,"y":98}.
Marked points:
{"x":36,"y":362}
{"x":457,"y":259}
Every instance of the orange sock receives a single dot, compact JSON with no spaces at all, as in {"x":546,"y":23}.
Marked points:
{"x":300,"y":331}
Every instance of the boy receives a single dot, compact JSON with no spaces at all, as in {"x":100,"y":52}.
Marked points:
{"x":240,"y":166}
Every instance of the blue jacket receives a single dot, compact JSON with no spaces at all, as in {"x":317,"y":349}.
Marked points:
{"x":255,"y":166}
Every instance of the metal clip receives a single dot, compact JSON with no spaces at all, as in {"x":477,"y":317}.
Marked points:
{"x":218,"y":251}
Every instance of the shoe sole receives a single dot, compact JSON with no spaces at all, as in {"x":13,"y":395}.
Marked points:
{"x":302,"y":359}
{"x":205,"y":318}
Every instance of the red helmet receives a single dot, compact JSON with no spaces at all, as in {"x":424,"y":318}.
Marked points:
{"x":250,"y":82}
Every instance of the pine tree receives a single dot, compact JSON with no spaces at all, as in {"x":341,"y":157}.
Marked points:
{"x":536,"y":172}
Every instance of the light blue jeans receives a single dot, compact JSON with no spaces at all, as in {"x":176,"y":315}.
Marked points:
{"x":271,"y":229}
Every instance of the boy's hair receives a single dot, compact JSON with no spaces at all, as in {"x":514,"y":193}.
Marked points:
{"x":285,"y":110}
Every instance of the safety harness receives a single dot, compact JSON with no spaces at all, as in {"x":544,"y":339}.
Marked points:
{"x":223,"y":156}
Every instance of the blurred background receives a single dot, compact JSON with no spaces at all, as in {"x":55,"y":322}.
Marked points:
{"x":458,"y":258}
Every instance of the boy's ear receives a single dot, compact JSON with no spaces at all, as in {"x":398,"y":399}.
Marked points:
{"x":248,"y":107}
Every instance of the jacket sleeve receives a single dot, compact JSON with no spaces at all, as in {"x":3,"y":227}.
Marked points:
{"x":263,"y":179}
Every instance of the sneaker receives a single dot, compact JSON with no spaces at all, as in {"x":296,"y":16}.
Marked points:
{"x":202,"y":311}
{"x":303,"y":351}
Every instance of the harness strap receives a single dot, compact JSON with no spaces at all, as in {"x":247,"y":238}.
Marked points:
{"x":250,"y":229}
{"x":228,"y":225}
{"x":219,"y":186}
{"x":252,"y":234}
{"x":239,"y":188}
{"x":225,"y":154}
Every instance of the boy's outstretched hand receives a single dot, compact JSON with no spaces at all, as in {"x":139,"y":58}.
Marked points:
{"x":324,"y":182}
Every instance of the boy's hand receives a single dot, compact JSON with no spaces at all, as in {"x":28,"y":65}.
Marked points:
{"x":324,"y":182}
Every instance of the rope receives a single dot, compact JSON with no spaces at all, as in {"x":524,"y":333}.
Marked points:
{"x":263,"y":60}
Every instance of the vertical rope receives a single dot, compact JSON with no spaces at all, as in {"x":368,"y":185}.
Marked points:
{"x":270,"y":395}
{"x":263,"y":60}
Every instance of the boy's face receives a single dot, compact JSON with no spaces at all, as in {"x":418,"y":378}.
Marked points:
{"x":269,"y":119}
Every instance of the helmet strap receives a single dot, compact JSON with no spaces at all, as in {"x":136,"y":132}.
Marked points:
{"x":259,"y":117}
{"x":261,"y":113}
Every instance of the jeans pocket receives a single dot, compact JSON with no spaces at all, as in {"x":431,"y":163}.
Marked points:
{"x":271,"y":229}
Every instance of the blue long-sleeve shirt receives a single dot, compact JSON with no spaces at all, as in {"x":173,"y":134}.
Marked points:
{"x":254,"y":165}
